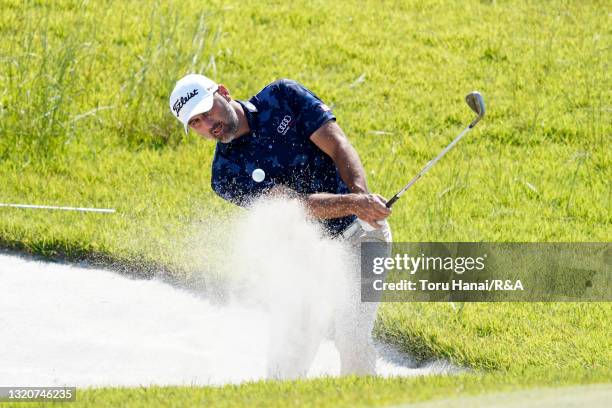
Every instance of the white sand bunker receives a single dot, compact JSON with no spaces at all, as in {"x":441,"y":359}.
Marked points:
{"x":64,"y":325}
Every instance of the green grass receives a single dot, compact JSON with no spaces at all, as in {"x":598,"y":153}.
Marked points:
{"x":331,"y":392}
{"x":509,"y":337}
{"x":84,"y":121}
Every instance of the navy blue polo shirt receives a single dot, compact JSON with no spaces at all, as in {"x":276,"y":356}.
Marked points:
{"x":282,"y":117}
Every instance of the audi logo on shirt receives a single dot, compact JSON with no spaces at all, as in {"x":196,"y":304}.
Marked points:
{"x":284,"y":125}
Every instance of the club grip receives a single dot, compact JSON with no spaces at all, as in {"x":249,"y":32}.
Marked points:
{"x":392,"y":201}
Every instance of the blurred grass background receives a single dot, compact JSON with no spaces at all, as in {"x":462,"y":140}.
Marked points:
{"x":84,"y":121}
{"x":84,"y":118}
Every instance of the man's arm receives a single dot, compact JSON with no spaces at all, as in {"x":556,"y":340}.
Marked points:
{"x":331,"y":139}
{"x":369,"y":207}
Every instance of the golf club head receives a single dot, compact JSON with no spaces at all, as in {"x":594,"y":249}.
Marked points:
{"x":476,"y":102}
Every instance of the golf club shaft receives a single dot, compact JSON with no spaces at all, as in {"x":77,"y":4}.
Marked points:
{"x":428,"y":166}
{"x":49,"y":207}
{"x":476,"y":102}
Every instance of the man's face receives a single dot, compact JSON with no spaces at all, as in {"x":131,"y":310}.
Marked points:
{"x":220,"y":122}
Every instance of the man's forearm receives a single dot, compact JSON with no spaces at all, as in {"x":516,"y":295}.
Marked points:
{"x":368,"y":207}
{"x":326,"y":205}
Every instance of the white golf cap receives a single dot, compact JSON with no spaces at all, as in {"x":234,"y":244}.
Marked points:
{"x":193,"y":94}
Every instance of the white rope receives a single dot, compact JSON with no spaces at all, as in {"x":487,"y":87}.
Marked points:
{"x":49,"y":207}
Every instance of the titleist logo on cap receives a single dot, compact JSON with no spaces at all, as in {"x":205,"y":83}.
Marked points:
{"x":180,"y":102}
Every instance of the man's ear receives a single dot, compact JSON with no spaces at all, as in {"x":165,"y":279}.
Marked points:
{"x":223,"y":91}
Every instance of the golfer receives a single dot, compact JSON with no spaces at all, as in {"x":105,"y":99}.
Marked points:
{"x":286,"y":140}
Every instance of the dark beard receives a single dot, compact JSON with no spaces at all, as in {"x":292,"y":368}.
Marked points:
{"x":231,"y":127}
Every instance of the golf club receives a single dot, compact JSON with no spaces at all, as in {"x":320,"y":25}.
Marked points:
{"x":50,"y":207}
{"x":476,"y":102}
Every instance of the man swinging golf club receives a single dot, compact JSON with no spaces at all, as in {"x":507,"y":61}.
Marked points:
{"x":286,"y":140}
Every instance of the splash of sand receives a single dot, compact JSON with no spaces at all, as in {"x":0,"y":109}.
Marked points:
{"x":78,"y":326}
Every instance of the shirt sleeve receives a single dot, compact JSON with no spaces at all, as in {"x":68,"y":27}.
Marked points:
{"x":234,"y":184}
{"x":312,"y":113}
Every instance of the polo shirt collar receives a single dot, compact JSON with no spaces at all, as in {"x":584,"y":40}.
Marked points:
{"x":250,"y":112}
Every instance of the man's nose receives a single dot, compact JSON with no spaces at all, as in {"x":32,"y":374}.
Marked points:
{"x":208,"y":123}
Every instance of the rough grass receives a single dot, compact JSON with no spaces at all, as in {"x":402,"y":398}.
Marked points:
{"x":84,"y":121}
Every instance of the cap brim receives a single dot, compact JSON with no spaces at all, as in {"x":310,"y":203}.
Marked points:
{"x":203,"y":106}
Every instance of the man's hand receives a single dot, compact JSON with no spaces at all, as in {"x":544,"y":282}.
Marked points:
{"x":370,"y":208}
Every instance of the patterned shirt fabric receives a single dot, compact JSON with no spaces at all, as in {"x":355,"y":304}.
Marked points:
{"x":282,"y":117}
